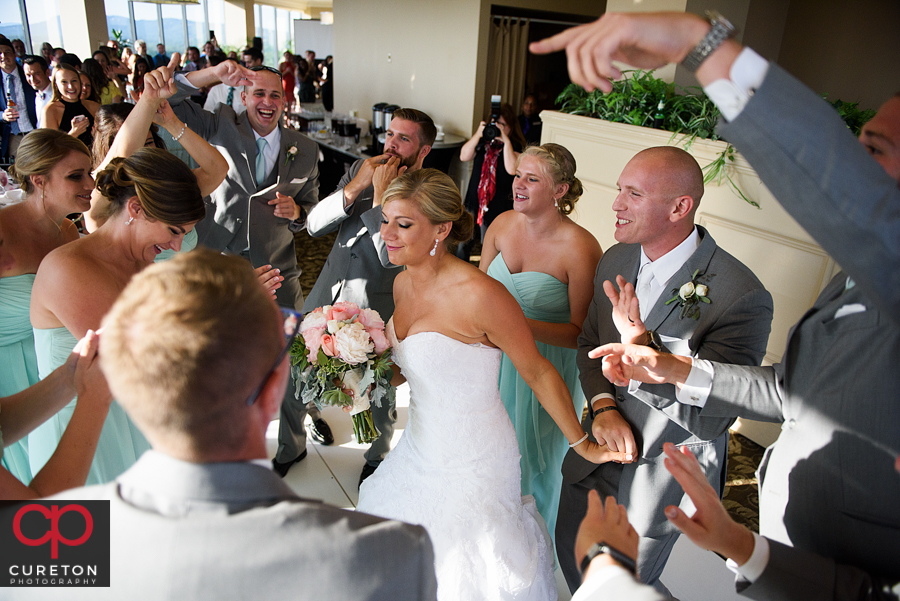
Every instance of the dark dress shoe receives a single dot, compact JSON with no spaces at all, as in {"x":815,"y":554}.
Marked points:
{"x":367,"y":471}
{"x":321,"y":432}
{"x":282,"y":468}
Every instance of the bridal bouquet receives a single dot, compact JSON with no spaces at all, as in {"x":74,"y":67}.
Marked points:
{"x":341,"y":357}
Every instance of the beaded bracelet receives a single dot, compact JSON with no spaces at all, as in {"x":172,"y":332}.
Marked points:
{"x":578,"y":442}
{"x":183,"y":129}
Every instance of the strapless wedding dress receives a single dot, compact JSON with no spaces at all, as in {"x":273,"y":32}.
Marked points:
{"x":456,"y":472}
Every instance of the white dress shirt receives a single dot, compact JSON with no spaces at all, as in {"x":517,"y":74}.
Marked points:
{"x":41,"y":99}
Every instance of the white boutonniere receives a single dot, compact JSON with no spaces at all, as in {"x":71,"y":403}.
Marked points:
{"x":291,"y":155}
{"x":690,"y":294}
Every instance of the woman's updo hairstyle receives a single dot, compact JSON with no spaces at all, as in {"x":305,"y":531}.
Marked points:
{"x":166,"y":188}
{"x":40,"y":151}
{"x":437,"y":197}
{"x":559,"y":165}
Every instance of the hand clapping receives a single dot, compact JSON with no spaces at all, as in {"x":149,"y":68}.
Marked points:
{"x":626,"y":311}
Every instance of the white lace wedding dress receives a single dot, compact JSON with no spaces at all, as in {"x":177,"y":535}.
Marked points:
{"x":455,"y":471}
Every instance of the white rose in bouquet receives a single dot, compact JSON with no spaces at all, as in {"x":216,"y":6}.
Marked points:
{"x":702,"y":290}
{"x":353,"y":344}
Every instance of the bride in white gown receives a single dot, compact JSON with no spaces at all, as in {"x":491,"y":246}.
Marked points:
{"x":456,"y":468}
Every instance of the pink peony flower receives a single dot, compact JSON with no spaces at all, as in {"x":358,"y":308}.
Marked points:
{"x":328,"y":345}
{"x":313,"y":339}
{"x":341,"y":311}
{"x":371,"y":319}
{"x":312,"y":321}
{"x":381,"y":342}
{"x":327,"y":312}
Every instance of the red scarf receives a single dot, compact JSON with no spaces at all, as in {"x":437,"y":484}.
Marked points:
{"x":487,"y":185}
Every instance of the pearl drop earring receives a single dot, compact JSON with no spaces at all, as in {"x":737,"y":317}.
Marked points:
{"x":434,"y":250}
{"x":130,"y":219}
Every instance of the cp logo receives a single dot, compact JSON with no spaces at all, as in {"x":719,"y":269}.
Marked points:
{"x":53,"y":514}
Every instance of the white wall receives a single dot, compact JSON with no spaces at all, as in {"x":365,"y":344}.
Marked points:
{"x":415,"y":53}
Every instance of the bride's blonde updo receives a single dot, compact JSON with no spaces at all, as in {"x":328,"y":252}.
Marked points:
{"x":166,"y":188}
{"x":437,"y":197}
{"x":559,"y":165}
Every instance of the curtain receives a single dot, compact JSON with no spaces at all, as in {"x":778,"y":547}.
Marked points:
{"x":507,"y":54}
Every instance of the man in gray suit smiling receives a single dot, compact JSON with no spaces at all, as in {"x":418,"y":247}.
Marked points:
{"x":829,"y":498}
{"x":194,"y":351}
{"x":358,"y":270}
{"x":723,"y":313}
{"x":272,"y":182}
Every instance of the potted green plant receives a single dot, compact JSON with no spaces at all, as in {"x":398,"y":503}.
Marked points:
{"x":644,"y":100}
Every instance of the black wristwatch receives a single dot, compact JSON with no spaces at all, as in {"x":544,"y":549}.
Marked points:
{"x":601,"y":547}
{"x":656,"y":343}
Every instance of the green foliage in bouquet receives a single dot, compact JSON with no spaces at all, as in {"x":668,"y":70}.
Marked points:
{"x":318,"y":381}
{"x":315,"y":383}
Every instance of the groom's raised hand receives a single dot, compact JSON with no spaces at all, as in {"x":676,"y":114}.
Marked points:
{"x":626,"y":311}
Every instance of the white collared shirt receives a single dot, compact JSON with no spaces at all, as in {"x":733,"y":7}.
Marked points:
{"x":665,"y":267}
{"x":40,"y":103}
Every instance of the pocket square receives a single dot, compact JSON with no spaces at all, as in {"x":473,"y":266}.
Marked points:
{"x":849,"y":310}
{"x":299,"y":180}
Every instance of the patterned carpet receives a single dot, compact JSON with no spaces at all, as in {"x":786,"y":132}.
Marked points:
{"x":741,"y":497}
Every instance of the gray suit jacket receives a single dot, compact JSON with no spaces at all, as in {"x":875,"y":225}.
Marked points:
{"x":827,"y":486}
{"x":235,"y":531}
{"x":240,"y":214}
{"x":734,"y":327}
{"x":357,"y":269}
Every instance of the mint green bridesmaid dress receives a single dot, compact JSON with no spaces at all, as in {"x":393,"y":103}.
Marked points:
{"x":541,"y":442}
{"x":120,"y":444}
{"x":18,"y":363}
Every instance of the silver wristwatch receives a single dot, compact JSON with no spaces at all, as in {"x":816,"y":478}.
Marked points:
{"x":721,"y":30}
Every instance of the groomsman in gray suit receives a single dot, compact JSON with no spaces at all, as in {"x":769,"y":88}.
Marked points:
{"x":829,"y":497}
{"x":661,"y":252}
{"x":358,"y":269}
{"x":272,"y":183}
{"x":194,"y":350}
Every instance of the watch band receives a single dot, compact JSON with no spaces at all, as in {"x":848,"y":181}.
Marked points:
{"x":721,"y":30}
{"x":655,"y":342}
{"x":600,"y":548}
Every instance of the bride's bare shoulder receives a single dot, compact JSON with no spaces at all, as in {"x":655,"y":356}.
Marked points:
{"x":479,"y":288}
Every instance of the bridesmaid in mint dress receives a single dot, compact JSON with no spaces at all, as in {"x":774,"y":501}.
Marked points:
{"x":53,"y":169}
{"x":154,"y":200}
{"x":547,"y":263}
